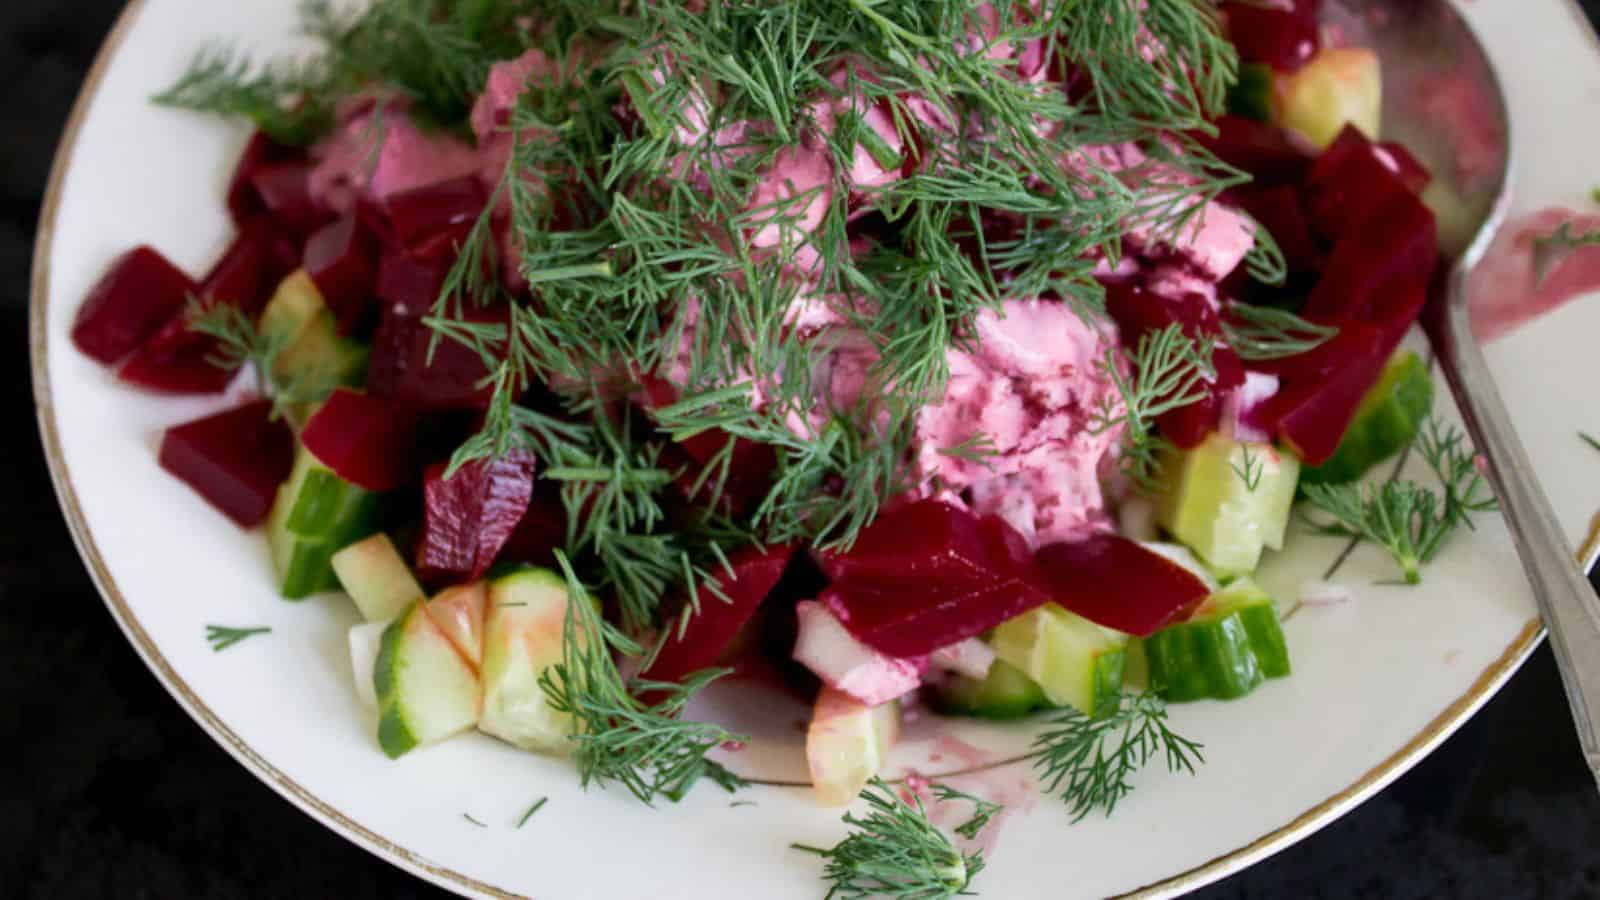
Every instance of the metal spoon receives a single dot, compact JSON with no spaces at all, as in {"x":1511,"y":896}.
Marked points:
{"x":1416,"y":40}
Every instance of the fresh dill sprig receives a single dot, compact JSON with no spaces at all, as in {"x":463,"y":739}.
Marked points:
{"x":1589,"y":439}
{"x":1090,"y":761}
{"x":240,"y":342}
{"x":1249,"y":467}
{"x":1550,"y":249}
{"x":221,"y":637}
{"x":648,"y":748}
{"x":537,"y":805}
{"x":1167,"y":370}
{"x":982,"y":810}
{"x":1410,"y":521}
{"x":1265,"y":332}
{"x":895,"y":852}
{"x":469,"y":818}
{"x":286,"y":99}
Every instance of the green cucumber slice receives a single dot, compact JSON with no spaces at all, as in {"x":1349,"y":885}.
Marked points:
{"x":376,"y":577}
{"x":524,"y":626}
{"x":1005,"y":693}
{"x":313,"y":351}
{"x":1387,"y":420}
{"x":426,"y":691}
{"x":1339,"y":86}
{"x":1074,"y":661}
{"x":315,"y":515}
{"x":1207,"y":503}
{"x":1230,"y":647}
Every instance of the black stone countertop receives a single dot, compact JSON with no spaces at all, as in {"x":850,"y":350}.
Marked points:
{"x":107,"y":789}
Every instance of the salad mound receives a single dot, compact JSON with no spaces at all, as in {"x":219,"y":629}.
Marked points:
{"x":947,"y":352}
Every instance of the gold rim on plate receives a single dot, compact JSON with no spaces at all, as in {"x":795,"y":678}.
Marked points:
{"x":1442,"y":725}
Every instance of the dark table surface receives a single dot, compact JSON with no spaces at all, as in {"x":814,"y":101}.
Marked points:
{"x":107,"y":789}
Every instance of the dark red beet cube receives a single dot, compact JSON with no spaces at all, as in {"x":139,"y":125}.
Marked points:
{"x":916,"y":542}
{"x":1412,"y":172}
{"x":342,"y":259}
{"x":363,"y":440}
{"x":1113,"y":581}
{"x":244,"y":201}
{"x":446,"y":207}
{"x":177,"y":360}
{"x":1265,"y":151}
{"x":403,"y":372}
{"x":1351,"y":183}
{"x":917,"y":617}
{"x":234,"y":459}
{"x":285,"y":191}
{"x":1397,"y":246}
{"x":468,"y":517}
{"x":410,"y":282}
{"x":1281,"y":210}
{"x":1283,"y":39}
{"x":1354,"y":340}
{"x":540,"y":532}
{"x":752,"y":574}
{"x":140,"y":292}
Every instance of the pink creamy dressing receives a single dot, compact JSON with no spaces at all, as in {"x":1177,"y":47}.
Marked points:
{"x":985,"y":776}
{"x":1504,"y":290}
{"x":1031,"y":385}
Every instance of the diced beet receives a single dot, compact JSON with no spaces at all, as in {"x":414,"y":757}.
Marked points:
{"x":1412,"y":172}
{"x":140,"y":292}
{"x":709,"y":633}
{"x":362,"y":439}
{"x":1311,"y":414}
{"x":1113,"y":581}
{"x":1265,"y":151}
{"x":410,"y":282}
{"x":177,"y":360}
{"x":448,"y":206}
{"x":1397,"y":246}
{"x":540,"y":532}
{"x":918,"y":616}
{"x":1283,"y":39}
{"x":402,"y":372}
{"x":341,"y":258}
{"x":468,"y":518}
{"x":926,"y":540}
{"x":235,"y":459}
{"x":244,"y":200}
{"x":285,"y":191}
{"x":1280,"y":209}
{"x":1354,"y":340}
{"x":1138,"y":311}
{"x":1351,"y":183}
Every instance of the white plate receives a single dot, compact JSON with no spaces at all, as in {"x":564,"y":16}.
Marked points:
{"x":1378,"y":682}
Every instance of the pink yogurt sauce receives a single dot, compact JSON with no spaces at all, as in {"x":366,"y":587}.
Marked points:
{"x":1505,"y":291}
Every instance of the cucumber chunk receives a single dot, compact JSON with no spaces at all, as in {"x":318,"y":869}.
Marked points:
{"x":1206,"y":503}
{"x":315,"y":514}
{"x":846,"y":744}
{"x":375,"y":576}
{"x":1231,"y":646}
{"x":1385,"y":423}
{"x":312,"y":348}
{"x":522,"y":637}
{"x":1339,"y":86}
{"x":1074,"y":661}
{"x":426,"y":692}
{"x":459,"y":612}
{"x":1005,"y":693}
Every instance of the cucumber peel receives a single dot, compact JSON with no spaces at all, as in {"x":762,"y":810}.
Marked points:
{"x":1232,"y":645}
{"x":1074,"y":661}
{"x":1005,"y":693}
{"x":1387,"y":421}
{"x":426,"y":691}
{"x":315,"y":515}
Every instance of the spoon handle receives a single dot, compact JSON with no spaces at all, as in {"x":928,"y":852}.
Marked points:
{"x":1567,"y":602}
